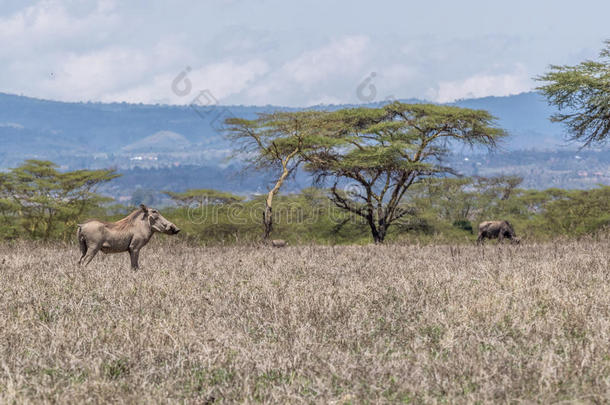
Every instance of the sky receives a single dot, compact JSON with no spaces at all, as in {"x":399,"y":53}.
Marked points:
{"x":287,"y":52}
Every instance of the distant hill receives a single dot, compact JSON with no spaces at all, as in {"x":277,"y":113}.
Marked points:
{"x":162,"y":141}
{"x":526,"y":118}
{"x":32,"y":127}
{"x":136,"y":137}
{"x":59,"y":131}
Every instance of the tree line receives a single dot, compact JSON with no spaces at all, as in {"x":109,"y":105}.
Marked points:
{"x":444,"y":210}
{"x":39,"y":202}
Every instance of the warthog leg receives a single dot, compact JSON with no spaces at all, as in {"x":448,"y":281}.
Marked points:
{"x":91,"y":252}
{"x":83,"y":250}
{"x":83,"y":254}
{"x":134,"y":254}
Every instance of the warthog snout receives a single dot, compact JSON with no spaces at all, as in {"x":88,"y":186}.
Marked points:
{"x":171,"y":229}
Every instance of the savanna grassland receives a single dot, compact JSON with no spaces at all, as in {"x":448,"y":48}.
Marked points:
{"x":307,"y":324}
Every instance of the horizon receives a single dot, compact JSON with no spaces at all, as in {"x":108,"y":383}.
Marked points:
{"x":361,"y":103}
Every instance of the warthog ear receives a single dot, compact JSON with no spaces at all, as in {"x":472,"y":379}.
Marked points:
{"x":144,"y":210}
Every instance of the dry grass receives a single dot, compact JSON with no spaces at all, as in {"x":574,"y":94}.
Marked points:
{"x":313,"y":324}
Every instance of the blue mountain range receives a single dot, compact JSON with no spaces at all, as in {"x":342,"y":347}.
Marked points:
{"x":179,"y":147}
{"x":41,"y":128}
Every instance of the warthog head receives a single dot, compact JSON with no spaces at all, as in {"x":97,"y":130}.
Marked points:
{"x":158,"y":222}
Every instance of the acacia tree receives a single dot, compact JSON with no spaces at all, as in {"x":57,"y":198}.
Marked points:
{"x":384,"y":151}
{"x":274,"y":141}
{"x":582,"y":95}
{"x":41,"y":198}
{"x":8,"y":209}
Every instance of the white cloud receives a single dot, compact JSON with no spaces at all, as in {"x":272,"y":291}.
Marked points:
{"x":56,"y":49}
{"x":483,"y":85}
{"x":398,"y":73}
{"x":340,"y":56}
{"x":323,"y":75}
{"x":131,"y":51}
{"x":221,"y":79}
{"x":13,"y":125}
{"x":48,"y":23}
{"x":79,"y":51}
{"x":106,"y":6}
{"x":91,"y":74}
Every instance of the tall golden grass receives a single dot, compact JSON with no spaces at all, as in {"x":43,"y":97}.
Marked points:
{"x":307,"y":324}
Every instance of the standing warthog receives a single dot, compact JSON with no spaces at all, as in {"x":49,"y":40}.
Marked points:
{"x":497,"y":229}
{"x":129,"y":234}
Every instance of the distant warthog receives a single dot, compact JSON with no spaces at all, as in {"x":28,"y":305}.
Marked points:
{"x":129,"y":234}
{"x":496,"y":229}
{"x":278,"y":243}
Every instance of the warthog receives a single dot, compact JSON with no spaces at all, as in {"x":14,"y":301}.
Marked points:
{"x":278,"y":243}
{"x":129,"y":234}
{"x":496,"y":229}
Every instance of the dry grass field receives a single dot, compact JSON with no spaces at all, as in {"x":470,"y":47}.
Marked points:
{"x":307,"y":324}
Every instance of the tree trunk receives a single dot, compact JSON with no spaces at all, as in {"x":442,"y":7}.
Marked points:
{"x":382,"y":230}
{"x":378,"y":231}
{"x":267,"y":220}
{"x":377,"y":237}
{"x":267,"y":215}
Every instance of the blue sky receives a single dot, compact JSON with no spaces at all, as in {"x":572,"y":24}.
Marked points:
{"x":294,"y":53}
